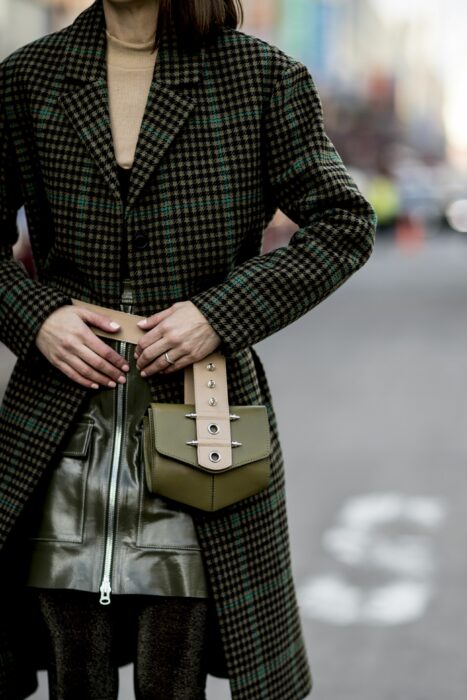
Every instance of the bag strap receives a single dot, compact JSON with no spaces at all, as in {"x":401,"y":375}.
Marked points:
{"x":205,"y":386}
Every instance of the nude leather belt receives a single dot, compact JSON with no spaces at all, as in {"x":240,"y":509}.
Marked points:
{"x":129,"y":332}
{"x":209,"y":395}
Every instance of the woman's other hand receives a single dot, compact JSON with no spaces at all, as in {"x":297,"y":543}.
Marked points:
{"x":182,"y":331}
{"x":69,"y":344}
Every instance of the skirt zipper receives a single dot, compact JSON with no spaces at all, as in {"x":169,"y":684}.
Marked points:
{"x":111,"y":517}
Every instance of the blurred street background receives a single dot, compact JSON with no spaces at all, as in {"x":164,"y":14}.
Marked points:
{"x":369,"y":387}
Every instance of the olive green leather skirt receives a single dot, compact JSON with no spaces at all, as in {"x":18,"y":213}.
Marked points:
{"x":99,"y":529}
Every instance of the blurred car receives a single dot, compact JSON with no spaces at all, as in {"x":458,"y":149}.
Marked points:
{"x":419,"y":191}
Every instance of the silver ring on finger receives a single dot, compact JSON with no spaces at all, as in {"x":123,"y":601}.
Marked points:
{"x":166,"y":355}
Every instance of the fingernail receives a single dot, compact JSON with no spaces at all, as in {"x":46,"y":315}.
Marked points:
{"x":112,"y":385}
{"x":126,"y":368}
{"x":115,"y":325}
{"x":143,"y":374}
{"x":94,"y":386}
{"x":143,"y":322}
{"x":122,"y":379}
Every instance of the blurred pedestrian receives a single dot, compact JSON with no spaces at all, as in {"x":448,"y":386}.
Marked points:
{"x":150,"y":143}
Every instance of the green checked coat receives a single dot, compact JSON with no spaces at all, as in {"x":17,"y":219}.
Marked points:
{"x":230,"y":133}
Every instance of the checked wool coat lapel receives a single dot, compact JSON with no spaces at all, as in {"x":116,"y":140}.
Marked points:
{"x":166,"y":110}
{"x":230,"y":133}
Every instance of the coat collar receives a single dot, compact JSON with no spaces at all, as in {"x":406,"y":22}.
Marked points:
{"x":86,"y":47}
{"x":170,"y":100}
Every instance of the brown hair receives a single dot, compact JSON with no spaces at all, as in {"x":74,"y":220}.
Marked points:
{"x":197,"y":21}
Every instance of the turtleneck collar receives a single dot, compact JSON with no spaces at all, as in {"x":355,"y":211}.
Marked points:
{"x":128,"y":55}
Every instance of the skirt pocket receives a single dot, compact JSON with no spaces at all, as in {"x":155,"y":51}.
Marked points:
{"x":63,"y":511}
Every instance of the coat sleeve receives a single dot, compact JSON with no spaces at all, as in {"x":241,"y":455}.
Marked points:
{"x":24,"y":303}
{"x":307,"y":181}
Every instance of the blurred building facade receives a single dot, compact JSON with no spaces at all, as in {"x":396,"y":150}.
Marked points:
{"x":375,"y":77}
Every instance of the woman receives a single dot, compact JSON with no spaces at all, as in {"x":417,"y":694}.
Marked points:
{"x":147,"y":179}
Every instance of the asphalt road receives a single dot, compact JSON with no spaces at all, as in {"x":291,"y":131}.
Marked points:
{"x":370,"y":392}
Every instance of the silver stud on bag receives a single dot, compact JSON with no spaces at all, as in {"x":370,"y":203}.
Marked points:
{"x":213,"y":428}
{"x":212,"y":401}
{"x":214,"y":457}
{"x":211,"y":367}
{"x":211,"y":384}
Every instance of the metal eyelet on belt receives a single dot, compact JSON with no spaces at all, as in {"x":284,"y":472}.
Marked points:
{"x":213,"y":428}
{"x":214,"y":457}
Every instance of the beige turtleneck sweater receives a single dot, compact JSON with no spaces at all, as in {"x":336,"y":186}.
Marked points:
{"x":130,"y":69}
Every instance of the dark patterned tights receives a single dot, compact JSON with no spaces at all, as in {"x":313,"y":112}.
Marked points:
{"x":168,"y":638}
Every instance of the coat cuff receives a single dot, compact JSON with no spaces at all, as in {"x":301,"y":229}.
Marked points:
{"x":211,"y":307}
{"x":24,"y":308}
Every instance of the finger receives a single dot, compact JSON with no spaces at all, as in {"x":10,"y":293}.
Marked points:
{"x":87,"y":372}
{"x":179,"y":364}
{"x":150,"y":338}
{"x":155,"y":352}
{"x":99,"y":320}
{"x":97,"y":363}
{"x":161,"y":365}
{"x":105,"y":351}
{"x":152,"y":354}
{"x":75,"y":376}
{"x":151,"y":321}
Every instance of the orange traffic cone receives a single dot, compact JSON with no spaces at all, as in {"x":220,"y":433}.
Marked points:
{"x":410,"y":233}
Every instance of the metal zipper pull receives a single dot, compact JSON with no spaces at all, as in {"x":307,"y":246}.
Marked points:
{"x":105,"y":590}
{"x":112,"y":497}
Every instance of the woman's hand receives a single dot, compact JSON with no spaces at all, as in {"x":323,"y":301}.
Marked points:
{"x":70,"y":345}
{"x":182,"y":331}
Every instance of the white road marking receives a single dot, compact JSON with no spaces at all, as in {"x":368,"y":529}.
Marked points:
{"x":334,"y":600}
{"x":370,"y":533}
{"x":378,"y":508}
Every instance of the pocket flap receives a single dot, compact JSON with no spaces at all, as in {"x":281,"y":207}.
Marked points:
{"x":170,"y":430}
{"x":77,"y":444}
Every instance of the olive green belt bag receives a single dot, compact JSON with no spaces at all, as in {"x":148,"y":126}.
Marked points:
{"x":205,"y":453}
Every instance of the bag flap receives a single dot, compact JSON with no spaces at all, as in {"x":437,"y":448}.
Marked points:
{"x":170,"y":430}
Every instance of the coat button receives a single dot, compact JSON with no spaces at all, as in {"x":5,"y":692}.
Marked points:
{"x":140,"y":241}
